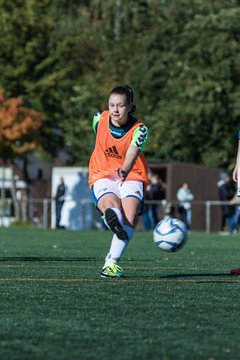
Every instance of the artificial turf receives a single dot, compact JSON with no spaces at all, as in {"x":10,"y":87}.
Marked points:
{"x":54,"y":304}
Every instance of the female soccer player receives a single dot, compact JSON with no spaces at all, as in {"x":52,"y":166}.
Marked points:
{"x":236,"y":178}
{"x":118,"y":172}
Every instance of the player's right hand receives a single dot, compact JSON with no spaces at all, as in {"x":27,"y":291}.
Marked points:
{"x":122,"y":173}
{"x":235,"y":174}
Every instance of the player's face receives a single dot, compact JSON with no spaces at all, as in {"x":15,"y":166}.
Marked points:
{"x":118,"y":109}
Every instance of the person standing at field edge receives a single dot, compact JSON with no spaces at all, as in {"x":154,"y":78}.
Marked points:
{"x":59,"y":201}
{"x":236,"y":177}
{"x":185,"y":198}
{"x":118,"y":172}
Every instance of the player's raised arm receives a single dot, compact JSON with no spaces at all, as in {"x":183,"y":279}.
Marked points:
{"x":138,"y":142}
{"x":235,"y":171}
{"x":131,"y":157}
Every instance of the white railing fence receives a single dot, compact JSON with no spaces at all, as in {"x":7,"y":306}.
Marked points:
{"x":41,"y":212}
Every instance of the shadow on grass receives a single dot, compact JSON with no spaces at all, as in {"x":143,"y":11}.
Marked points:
{"x":199,"y":277}
{"x":175,"y":276}
{"x":46,"y":258}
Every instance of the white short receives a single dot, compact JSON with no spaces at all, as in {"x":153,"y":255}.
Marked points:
{"x":113,"y":185}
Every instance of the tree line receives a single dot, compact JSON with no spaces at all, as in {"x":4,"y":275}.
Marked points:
{"x":182,"y":58}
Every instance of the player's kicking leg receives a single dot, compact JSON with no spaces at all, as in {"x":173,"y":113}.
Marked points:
{"x":113,"y":222}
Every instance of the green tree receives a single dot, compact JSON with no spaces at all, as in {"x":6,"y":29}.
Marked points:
{"x":180,"y":56}
{"x":200,"y":98}
{"x":44,"y":51}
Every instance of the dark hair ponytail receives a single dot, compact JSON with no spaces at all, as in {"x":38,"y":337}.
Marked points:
{"x":128,"y":92}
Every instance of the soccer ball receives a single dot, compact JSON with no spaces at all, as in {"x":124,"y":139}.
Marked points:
{"x":170,"y":234}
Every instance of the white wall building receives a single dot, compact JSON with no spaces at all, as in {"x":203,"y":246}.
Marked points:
{"x":78,"y":209}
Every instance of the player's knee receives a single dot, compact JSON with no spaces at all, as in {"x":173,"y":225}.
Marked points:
{"x":108,"y":203}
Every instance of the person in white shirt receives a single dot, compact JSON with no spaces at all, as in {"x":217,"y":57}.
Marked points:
{"x":185,"y":198}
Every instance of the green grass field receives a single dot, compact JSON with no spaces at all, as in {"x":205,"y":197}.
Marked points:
{"x":54,"y":304}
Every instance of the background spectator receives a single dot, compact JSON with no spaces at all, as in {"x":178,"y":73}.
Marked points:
{"x":154,"y":194}
{"x":60,"y":198}
{"x":226,"y":192}
{"x":185,"y":198}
